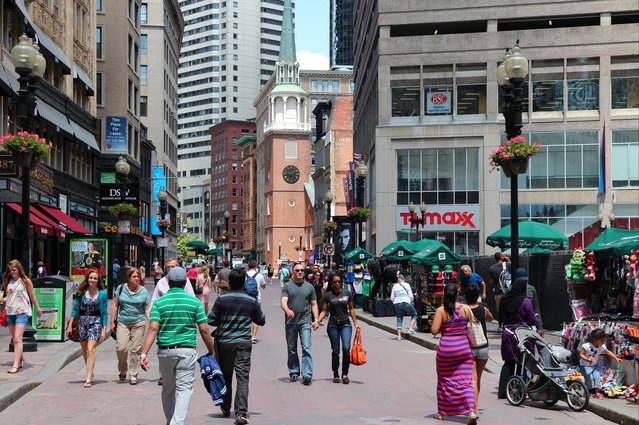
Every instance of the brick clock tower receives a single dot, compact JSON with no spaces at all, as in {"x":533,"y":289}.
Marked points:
{"x":284,"y":158}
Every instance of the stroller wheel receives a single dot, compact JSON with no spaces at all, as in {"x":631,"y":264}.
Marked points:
{"x":577,"y":396}
{"x":550,"y":402}
{"x":516,"y":391}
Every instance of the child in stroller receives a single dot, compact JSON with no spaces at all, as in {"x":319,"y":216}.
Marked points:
{"x":541,"y":375}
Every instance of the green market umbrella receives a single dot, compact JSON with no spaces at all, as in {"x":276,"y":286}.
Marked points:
{"x":614,"y":243}
{"x":399,"y":250}
{"x":216,"y":251}
{"x":357,"y":255}
{"x":435,"y":253}
{"x":531,"y":234}
{"x":198,"y":245}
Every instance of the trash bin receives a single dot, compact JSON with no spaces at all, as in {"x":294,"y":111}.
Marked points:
{"x":55,"y":297}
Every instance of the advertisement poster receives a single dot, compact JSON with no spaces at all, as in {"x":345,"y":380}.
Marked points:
{"x":116,"y":134}
{"x":346,"y":239}
{"x":50,"y":324}
{"x":89,"y":254}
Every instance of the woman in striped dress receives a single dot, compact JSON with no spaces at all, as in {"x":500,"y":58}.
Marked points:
{"x":455,"y":366}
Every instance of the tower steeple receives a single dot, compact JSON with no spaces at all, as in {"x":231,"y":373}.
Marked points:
{"x":288,"y":68}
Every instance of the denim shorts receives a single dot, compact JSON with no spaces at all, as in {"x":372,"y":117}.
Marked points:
{"x":18,"y":319}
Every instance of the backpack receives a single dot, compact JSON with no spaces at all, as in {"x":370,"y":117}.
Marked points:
{"x":284,"y":274}
{"x":505,"y":278}
{"x":250,"y":285}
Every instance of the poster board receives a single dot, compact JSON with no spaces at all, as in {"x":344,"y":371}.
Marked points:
{"x":89,"y":253}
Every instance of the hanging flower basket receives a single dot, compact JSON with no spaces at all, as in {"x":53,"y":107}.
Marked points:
{"x":123,"y":210}
{"x":163,"y":224}
{"x":359,"y":213}
{"x":22,"y":159}
{"x":24,"y":145}
{"x":329,"y":226}
{"x":516,"y":151}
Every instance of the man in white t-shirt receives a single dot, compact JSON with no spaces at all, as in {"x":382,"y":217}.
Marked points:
{"x":162,"y":286}
{"x":261,"y":284}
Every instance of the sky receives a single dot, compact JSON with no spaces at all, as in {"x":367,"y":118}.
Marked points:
{"x":311,"y":33}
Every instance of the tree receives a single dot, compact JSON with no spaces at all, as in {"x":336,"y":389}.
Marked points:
{"x":182,"y":240}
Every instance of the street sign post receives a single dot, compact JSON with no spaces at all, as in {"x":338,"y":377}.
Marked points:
{"x":328,"y":249}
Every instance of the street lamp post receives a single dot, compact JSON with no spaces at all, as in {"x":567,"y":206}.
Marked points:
{"x":122,"y":169}
{"x":511,"y":75}
{"x":361,"y":172}
{"x":328,"y":198}
{"x":162,"y":197}
{"x":279,"y":252}
{"x":300,"y":247}
{"x":227,"y":215}
{"x":30,"y":65}
{"x":605,"y":220}
{"x":416,"y":222}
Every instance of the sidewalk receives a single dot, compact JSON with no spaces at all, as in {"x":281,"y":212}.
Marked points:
{"x":617,"y":410}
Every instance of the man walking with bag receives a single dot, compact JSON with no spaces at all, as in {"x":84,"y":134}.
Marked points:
{"x":174,"y":319}
{"x":233,"y":313}
{"x":298,"y":300}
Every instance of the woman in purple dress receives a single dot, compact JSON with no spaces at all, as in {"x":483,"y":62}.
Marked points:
{"x":455,"y":366}
{"x":514,"y":310}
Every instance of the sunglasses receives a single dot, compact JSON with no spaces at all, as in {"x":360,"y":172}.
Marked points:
{"x":298,"y":270}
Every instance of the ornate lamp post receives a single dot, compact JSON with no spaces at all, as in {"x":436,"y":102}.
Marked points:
{"x":279,"y":252}
{"x":361,"y":172}
{"x":227,"y":215}
{"x":30,"y":65}
{"x":328,"y":199}
{"x":511,"y":75}
{"x":416,"y":222}
{"x":162,"y":197}
{"x":122,"y":169}
{"x":218,"y":223}
{"x":300,"y":247}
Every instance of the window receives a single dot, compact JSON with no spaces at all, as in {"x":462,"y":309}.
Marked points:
{"x":234,"y":193}
{"x":144,"y":10}
{"x":290,"y":149}
{"x":324,"y":85}
{"x":405,"y":101}
{"x":439,"y":100}
{"x":99,"y":94}
{"x":313,"y":85}
{"x":98,"y":5}
{"x":438,"y":176}
{"x":567,"y":160}
{"x":625,"y":92}
{"x":625,"y":151}
{"x":547,"y":85}
{"x":143,"y":75}
{"x":335,"y":86}
{"x":143,"y":106}
{"x":143,"y":43}
{"x":582,"y":84}
{"x":471,"y":99}
{"x":98,"y":42}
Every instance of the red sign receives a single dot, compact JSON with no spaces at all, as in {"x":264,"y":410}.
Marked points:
{"x":440,"y":218}
{"x":439,"y":98}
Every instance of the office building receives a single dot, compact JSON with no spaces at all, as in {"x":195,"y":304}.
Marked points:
{"x":341,"y":34}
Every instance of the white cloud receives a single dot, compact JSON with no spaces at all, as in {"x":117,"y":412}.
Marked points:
{"x":312,"y":60}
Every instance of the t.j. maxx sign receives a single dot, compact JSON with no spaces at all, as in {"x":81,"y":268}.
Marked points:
{"x":111,"y":194}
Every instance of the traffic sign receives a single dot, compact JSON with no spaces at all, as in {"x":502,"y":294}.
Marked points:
{"x":328,"y":249}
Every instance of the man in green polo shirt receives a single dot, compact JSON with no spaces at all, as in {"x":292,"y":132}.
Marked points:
{"x":174,"y":319}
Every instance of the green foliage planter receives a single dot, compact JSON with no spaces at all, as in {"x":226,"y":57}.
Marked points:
{"x":123,"y":210}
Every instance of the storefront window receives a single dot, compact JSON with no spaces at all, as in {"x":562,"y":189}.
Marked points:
{"x":462,"y":243}
{"x":405,"y":101}
{"x":438,"y":176}
{"x":583,"y":95}
{"x":439,"y":100}
{"x":625,"y":151}
{"x":548,"y":96}
{"x":471,"y":99}
{"x":567,"y":160}
{"x":625,"y":92}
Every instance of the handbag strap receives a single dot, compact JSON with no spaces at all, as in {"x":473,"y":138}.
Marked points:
{"x":473,"y":319}
{"x":358,"y":337}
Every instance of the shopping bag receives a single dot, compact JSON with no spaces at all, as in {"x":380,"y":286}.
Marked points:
{"x":3,"y":318}
{"x":358,"y":355}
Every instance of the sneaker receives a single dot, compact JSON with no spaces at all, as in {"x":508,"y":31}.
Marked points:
{"x":307,"y":380}
{"x":253,"y":340}
{"x":160,"y":380}
{"x":411,"y":331}
{"x":293,"y":378}
{"x":336,"y":380}
{"x":241,"y":419}
{"x":226,"y":412}
{"x":399,"y":338}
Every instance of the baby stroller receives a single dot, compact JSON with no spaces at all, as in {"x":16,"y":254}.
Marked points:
{"x":541,"y":376}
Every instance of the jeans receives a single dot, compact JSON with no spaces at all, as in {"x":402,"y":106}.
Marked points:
{"x":404,"y":309}
{"x":591,"y":374}
{"x":335,"y":332}
{"x":238,"y":359}
{"x":304,"y":332}
{"x":177,"y":369}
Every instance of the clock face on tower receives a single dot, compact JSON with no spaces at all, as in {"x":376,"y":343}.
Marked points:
{"x":291,"y":174}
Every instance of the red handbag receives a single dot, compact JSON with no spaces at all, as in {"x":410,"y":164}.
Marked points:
{"x":358,"y":355}
{"x":3,"y":318}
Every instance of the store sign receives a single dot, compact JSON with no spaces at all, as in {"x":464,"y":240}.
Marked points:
{"x":7,"y":167}
{"x":438,"y":102}
{"x":440,"y":218}
{"x":111,"y":194}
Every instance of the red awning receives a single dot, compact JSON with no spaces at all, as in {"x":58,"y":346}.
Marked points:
{"x":39,"y":226}
{"x":70,"y":223}
{"x":59,"y":229}
{"x":148,"y":241}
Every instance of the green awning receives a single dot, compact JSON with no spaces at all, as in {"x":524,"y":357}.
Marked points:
{"x":358,"y":255}
{"x":216,"y":251}
{"x":198,"y":244}
{"x":614,"y":243}
{"x":435,"y":253}
{"x":399,"y":250}
{"x":531,"y":234}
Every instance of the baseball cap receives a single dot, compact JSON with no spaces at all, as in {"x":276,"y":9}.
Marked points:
{"x":434,"y":269}
{"x":448,"y":268}
{"x":177,"y":274}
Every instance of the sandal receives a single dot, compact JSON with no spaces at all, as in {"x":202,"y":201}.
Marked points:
{"x":438,"y":417}
{"x":21,"y":364}
{"x":472,"y":419}
{"x":13,"y":370}
{"x":345,"y":379}
{"x":88,"y":384}
{"x":133,"y":380}
{"x":122,"y":377}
